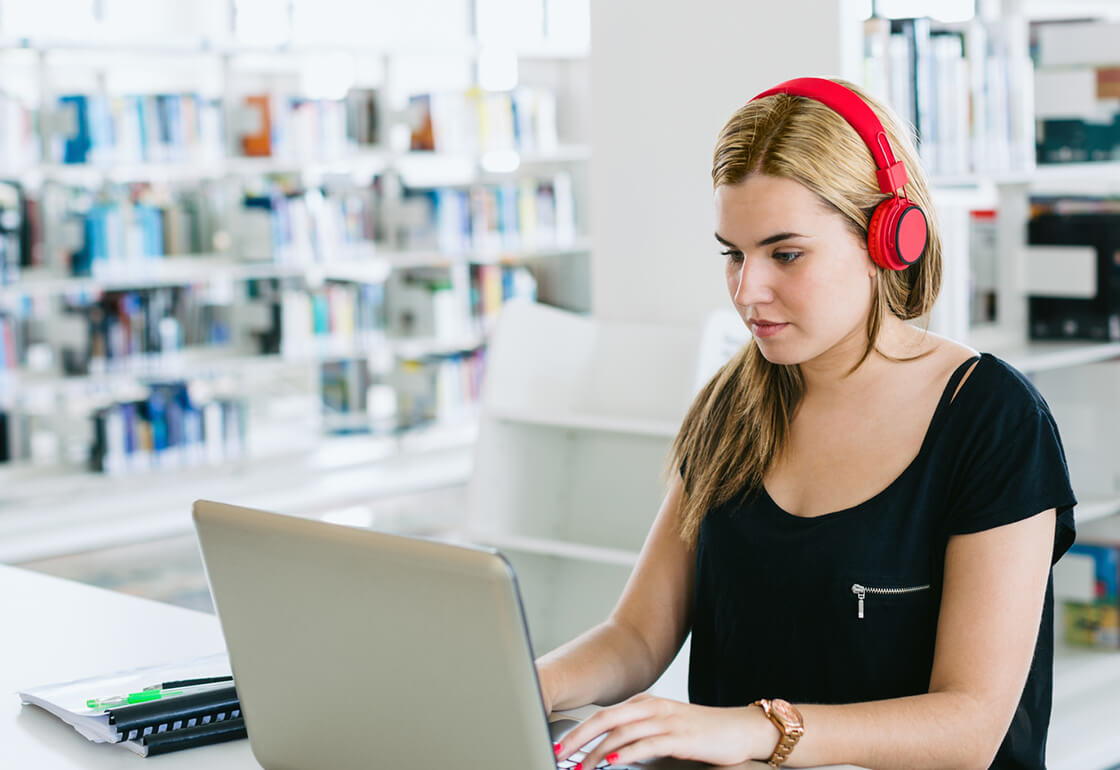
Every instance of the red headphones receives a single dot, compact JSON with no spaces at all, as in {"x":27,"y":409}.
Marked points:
{"x":898,"y":233}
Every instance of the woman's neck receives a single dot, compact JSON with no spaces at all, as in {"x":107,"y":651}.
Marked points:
{"x":838,"y":373}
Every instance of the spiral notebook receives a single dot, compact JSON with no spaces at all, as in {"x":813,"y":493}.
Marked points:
{"x":199,"y":716}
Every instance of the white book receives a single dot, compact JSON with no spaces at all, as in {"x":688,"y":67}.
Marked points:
{"x":976,"y":46}
{"x":1070,"y":93}
{"x":1078,"y":43}
{"x":69,"y":700}
{"x":565,"y":208}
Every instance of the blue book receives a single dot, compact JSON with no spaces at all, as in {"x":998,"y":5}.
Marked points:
{"x":1107,"y":568}
{"x":102,"y":136}
{"x":75,"y":148}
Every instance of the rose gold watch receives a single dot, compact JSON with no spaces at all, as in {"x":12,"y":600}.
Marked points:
{"x":788,"y":721}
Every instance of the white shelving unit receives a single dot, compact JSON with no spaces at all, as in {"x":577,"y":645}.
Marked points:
{"x":570,"y":450}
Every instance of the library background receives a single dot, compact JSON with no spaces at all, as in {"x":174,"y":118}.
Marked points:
{"x":443,"y":266}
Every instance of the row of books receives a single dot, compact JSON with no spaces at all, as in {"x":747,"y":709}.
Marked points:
{"x":340,"y":312}
{"x":523,"y":119}
{"x":438,"y":388}
{"x":288,"y":224}
{"x":274,"y":125}
{"x":107,"y":234}
{"x":528,"y":214}
{"x":1091,"y":586}
{"x":190,"y":127}
{"x":152,"y":128}
{"x":456,"y":302}
{"x":168,"y":429}
{"x":1077,"y":92}
{"x":356,"y":398}
{"x":120,"y":331}
{"x":14,"y":232}
{"x":963,"y":87}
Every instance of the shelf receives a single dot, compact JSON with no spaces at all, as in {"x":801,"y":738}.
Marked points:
{"x":1092,"y":510}
{"x":420,"y":169}
{"x":541,"y":49}
{"x":434,"y":257}
{"x":1044,"y":356}
{"x":151,"y":272}
{"x":1076,"y":178}
{"x":590,"y":422}
{"x":408,"y":348}
{"x":363,"y":263}
{"x":122,"y":381}
{"x":45,"y":514}
{"x":1038,"y":10}
{"x":1100,"y":178}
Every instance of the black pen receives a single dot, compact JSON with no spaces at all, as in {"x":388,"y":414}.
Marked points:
{"x":189,"y":682}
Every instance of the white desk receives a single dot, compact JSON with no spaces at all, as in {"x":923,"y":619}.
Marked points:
{"x":55,"y":630}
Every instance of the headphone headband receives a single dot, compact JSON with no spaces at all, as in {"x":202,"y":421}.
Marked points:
{"x":848,"y":105}
{"x":898,"y":231}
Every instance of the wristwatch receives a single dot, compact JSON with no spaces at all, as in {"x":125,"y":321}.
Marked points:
{"x":788,"y":721}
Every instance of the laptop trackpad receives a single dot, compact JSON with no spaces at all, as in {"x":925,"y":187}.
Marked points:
{"x":560,"y":727}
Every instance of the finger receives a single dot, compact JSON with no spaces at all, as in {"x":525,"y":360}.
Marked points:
{"x":622,"y":737}
{"x":651,"y":747}
{"x":602,"y":722}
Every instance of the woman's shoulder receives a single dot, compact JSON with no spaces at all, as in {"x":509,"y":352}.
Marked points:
{"x":985,"y":383}
{"x":996,"y":387}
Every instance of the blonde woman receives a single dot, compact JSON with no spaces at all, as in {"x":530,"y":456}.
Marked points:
{"x":862,"y":517}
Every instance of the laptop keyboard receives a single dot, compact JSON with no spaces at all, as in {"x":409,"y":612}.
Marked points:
{"x":558,"y":729}
{"x":572,"y":761}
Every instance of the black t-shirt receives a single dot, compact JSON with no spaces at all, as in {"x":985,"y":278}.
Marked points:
{"x":778,"y":603}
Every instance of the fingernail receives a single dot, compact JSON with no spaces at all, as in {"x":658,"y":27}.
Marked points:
{"x":612,"y":757}
{"x":557,"y":748}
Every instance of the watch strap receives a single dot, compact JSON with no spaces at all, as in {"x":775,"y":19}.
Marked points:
{"x":789,"y":723}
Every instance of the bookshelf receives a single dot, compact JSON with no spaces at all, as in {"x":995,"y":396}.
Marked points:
{"x":983,"y":206}
{"x":296,"y":192}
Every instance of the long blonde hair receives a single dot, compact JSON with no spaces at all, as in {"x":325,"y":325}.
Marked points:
{"x":740,"y":420}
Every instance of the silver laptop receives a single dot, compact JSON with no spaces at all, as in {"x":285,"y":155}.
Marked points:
{"x":359,"y":649}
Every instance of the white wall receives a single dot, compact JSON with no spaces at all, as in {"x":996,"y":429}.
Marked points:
{"x":663,"y":82}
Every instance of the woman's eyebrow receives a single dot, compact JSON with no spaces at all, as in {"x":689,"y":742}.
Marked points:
{"x":765,"y":241}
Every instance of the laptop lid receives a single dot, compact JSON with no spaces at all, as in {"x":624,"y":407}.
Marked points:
{"x":356,"y":649}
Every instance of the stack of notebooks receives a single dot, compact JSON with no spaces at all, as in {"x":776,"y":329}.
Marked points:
{"x":152,"y":710}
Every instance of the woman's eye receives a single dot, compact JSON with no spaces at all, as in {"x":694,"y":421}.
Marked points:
{"x":734,"y":257}
{"x":786,"y":257}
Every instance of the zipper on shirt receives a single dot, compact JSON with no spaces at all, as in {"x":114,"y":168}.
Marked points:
{"x":862,"y":591}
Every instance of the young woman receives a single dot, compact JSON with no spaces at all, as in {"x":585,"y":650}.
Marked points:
{"x":865,"y":515}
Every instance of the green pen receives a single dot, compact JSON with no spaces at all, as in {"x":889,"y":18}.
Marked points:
{"x":132,"y":697}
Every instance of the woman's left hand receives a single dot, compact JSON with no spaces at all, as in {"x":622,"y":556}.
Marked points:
{"x":645,"y":727}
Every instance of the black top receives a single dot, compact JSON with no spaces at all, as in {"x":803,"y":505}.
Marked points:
{"x":773,"y":587}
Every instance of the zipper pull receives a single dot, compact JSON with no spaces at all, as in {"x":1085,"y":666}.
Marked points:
{"x":860,"y":593}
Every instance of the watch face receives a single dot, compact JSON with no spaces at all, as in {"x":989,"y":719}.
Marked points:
{"x":785,"y":711}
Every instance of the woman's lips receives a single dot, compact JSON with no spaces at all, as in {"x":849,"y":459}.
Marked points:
{"x":766,"y":328}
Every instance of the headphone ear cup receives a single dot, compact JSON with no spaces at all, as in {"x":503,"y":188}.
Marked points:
{"x":880,"y":244}
{"x":897,"y":234}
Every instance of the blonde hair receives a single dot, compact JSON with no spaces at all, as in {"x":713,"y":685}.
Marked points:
{"x":740,"y":420}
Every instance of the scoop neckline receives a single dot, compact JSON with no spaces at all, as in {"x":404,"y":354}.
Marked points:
{"x":935,"y":423}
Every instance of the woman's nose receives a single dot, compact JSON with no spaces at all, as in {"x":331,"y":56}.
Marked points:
{"x":753,"y":283}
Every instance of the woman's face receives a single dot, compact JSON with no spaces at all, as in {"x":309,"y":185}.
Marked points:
{"x":797,"y":275}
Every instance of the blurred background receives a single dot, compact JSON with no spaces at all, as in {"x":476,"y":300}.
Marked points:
{"x":446,"y":267}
